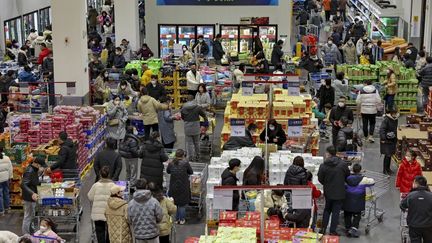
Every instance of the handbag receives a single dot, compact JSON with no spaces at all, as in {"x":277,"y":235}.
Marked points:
{"x":114,"y":122}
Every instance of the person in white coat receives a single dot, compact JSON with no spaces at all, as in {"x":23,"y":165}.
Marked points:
{"x":6,"y":173}
{"x":98,"y":195}
{"x":193,"y":78}
{"x":369,"y":100}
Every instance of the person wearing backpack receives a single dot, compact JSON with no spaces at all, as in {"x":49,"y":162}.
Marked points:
{"x":129,"y":150}
{"x":347,"y":139}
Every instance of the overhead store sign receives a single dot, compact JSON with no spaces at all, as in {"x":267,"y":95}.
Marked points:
{"x":218,"y":2}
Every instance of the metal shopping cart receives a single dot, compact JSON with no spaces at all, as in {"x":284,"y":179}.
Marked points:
{"x":404,"y":228}
{"x":381,"y":187}
{"x":198,"y":189}
{"x":351,"y":157}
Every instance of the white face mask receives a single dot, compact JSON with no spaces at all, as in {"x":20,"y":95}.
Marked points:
{"x":330,"y":43}
{"x":43,"y":228}
{"x":154,"y":82}
{"x":200,"y":40}
{"x":123,"y":87}
{"x":116,"y":102}
{"x":184,"y":49}
{"x":341,"y":104}
{"x":135,"y":132}
{"x":271,"y":127}
{"x":106,"y":75}
{"x":408,"y":158}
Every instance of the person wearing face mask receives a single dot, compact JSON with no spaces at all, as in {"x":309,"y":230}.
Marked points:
{"x":47,"y":229}
{"x":388,"y":138}
{"x":101,"y":90}
{"x":144,"y":52}
{"x":235,"y":143}
{"x":124,"y":89}
{"x":311,"y":63}
{"x":22,"y":56}
{"x":95,"y":67}
{"x":117,"y":117}
{"x":129,"y":149}
{"x":275,"y":133}
{"x":153,"y":156}
{"x":409,"y":168}
{"x":187,"y":55}
{"x":30,"y":182}
{"x":166,"y":124}
{"x":326,"y":94}
{"x":149,"y":107}
{"x":116,"y":216}
{"x":218,"y":51}
{"x":336,"y":114}
{"x":391,"y":87}
{"x":108,"y":28}
{"x":361,"y":45}
{"x":126,"y":50}
{"x":200,"y":47}
{"x":155,"y":89}
{"x":277,"y":53}
{"x":118,"y":60}
{"x":368,"y":99}
{"x":331,"y":53}
{"x":347,"y":139}
{"x":340,"y":85}
{"x":193,"y":78}
{"x":350,"y":52}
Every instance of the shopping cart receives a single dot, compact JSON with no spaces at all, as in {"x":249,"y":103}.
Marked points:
{"x":351,"y":157}
{"x":374,"y":193}
{"x":45,"y":239}
{"x":198,"y":186}
{"x":404,"y":228}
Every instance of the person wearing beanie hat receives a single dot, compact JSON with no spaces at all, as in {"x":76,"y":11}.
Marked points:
{"x":116,"y":216}
{"x":66,"y":157}
{"x":29,"y":184}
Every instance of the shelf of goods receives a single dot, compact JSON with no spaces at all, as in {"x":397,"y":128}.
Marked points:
{"x":154,"y":64}
{"x":257,"y":109}
{"x":406,"y":98}
{"x":382,"y":23}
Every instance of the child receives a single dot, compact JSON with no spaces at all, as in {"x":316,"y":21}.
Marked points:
{"x":354,"y":204}
{"x":47,"y":229}
{"x":408,"y":170}
{"x":315,"y":195}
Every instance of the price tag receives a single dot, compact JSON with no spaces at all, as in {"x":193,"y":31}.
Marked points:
{"x":293,"y":88}
{"x":206,"y":36}
{"x":264,"y":36}
{"x":247,"y":88}
{"x":230,"y":36}
{"x":222,"y":200}
{"x":238,"y":127}
{"x":295,"y":127}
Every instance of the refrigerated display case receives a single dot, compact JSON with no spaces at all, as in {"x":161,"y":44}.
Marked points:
{"x":246,"y":39}
{"x":13,"y":30}
{"x":268,"y":35}
{"x":186,"y":35}
{"x":30,"y":21}
{"x":230,"y":36}
{"x":44,"y":18}
{"x":208,"y":32}
{"x":167,"y":39}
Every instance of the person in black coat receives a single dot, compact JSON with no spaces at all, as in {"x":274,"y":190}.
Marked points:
{"x":229,"y":178}
{"x":6,"y":81}
{"x":332,"y":175}
{"x":67,"y":157}
{"x":299,"y":216}
{"x":200,"y":47}
{"x":218,"y":51}
{"x":408,"y":62}
{"x":155,"y":89}
{"x":388,"y":138}
{"x":129,"y":149}
{"x":347,"y":139}
{"x":419,"y":206}
{"x":311,"y":63}
{"x":275,"y":133}
{"x":326,"y":94}
{"x":296,"y":173}
{"x":336,"y":114}
{"x":108,"y":157}
{"x":235,"y":143}
{"x":22,"y":56}
{"x":179,"y":187}
{"x":153,"y":156}
{"x":254,"y":173}
{"x":29,"y":184}
{"x":412,"y":52}
{"x":277,"y":53}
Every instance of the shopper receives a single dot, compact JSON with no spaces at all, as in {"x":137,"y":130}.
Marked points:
{"x":274,"y":133}
{"x":126,"y":50}
{"x":149,"y":107}
{"x":117,"y":61}
{"x":277,"y":53}
{"x":144,"y":52}
{"x":397,"y":57}
{"x":166,"y":124}
{"x":391,"y":87}
{"x":301,"y":217}
{"x":92,"y":17}
{"x":421,"y":62}
{"x":354,"y":204}
{"x":368,"y":99}
{"x":153,"y":156}
{"x":116,"y":216}
{"x":47,"y":229}
{"x":388,"y":138}
{"x":22,"y":56}
{"x":125,"y":91}
{"x":338,"y":27}
{"x":332,"y":175}
{"x":311,"y":63}
{"x":169,"y":210}
{"x":101,"y":90}
{"x":350,"y":52}
{"x":327,"y":8}
{"x":361,"y":42}
{"x":426,"y":80}
{"x":95,"y":46}
{"x":187,"y":55}
{"x":98,"y":195}
{"x":67,"y":157}
{"x":144,"y":214}
{"x":342,"y":9}
{"x":302,"y":17}
{"x":274,"y":202}
{"x":347,"y":140}
{"x":326,"y":94}
{"x":316,"y":19}
{"x":155,"y":89}
{"x":6,"y":174}
{"x":331,"y":53}
{"x":377,"y":52}
{"x":27,"y":76}
{"x":200,"y":47}
{"x":218,"y":51}
{"x":235,"y":143}
{"x":229,"y":178}
{"x":7,"y":81}
{"x":262,"y":64}
{"x":296,"y":173}
{"x":340,"y":86}
{"x":412,"y":52}
{"x":258,"y":46}
{"x":418,"y":203}
{"x":254,"y":173}
{"x":95,"y":67}
{"x":407,"y":61}
{"x":409,"y":168}
{"x":108,"y":157}
{"x":129,"y":149}
{"x":30,"y":182}
{"x":193,"y":78}
{"x":44,"y":53}
{"x":315,"y":195}
{"x":202,"y":97}
{"x":179,"y":186}
{"x":191,"y":113}
{"x":117,"y":117}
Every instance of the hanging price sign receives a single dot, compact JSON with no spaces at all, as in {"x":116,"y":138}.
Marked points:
{"x":238,"y":127}
{"x":247,"y":88}
{"x":295,"y":127}
{"x":293,"y":88}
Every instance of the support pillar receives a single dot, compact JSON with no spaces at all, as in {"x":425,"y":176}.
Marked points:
{"x":70,"y":50}
{"x":127,"y":22}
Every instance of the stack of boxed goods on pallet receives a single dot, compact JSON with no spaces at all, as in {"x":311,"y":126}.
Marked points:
{"x":167,"y":77}
{"x":428,"y":110}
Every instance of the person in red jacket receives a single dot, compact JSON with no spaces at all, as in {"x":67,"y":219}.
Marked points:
{"x":408,"y":170}
{"x":44,"y":53}
{"x":315,"y":195}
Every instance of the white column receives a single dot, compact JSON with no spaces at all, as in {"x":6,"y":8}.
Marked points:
{"x":126,"y":22}
{"x":70,"y":47}
{"x":428,"y":27}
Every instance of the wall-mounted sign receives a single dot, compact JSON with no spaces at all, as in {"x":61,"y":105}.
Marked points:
{"x":218,"y":2}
